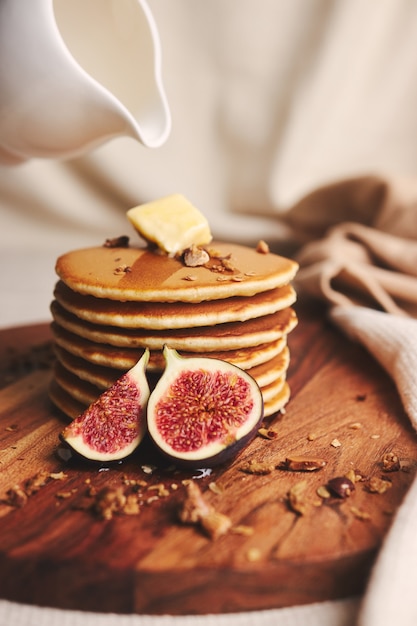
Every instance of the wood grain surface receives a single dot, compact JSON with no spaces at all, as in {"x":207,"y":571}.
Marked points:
{"x":56,"y":551}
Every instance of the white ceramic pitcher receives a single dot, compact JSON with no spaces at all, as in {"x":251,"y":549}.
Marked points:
{"x":76,"y":73}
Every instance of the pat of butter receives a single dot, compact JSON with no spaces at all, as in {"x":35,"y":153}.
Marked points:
{"x":172,"y":223}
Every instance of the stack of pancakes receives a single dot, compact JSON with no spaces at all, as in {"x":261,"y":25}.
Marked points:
{"x":112,"y":302}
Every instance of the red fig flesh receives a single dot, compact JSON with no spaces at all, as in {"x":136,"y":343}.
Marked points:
{"x":114,"y":425}
{"x":203,"y":410}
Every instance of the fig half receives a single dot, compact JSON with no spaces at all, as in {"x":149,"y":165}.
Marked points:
{"x":113,"y":426}
{"x":203,"y":411}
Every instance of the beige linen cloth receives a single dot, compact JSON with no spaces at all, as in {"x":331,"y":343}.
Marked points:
{"x":367,"y":271}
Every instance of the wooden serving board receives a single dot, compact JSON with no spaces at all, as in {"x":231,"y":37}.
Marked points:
{"x":55,"y":551}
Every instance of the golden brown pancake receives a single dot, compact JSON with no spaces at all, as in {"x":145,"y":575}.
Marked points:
{"x":163,"y":315}
{"x":123,"y":359}
{"x":229,"y":336}
{"x":103,"y":377}
{"x":139,"y":274}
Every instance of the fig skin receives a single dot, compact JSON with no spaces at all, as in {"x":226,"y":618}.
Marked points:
{"x":91,"y":434}
{"x":244,"y":420}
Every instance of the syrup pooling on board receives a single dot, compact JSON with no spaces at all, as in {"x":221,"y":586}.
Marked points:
{"x":201,"y":407}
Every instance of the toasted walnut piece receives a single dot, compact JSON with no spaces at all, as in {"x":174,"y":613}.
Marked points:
{"x":216,"y":524}
{"x":268,"y":433}
{"x":36,"y":482}
{"x":131,"y":506}
{"x":161,"y":489}
{"x":359,"y":514}
{"x":303,"y":463}
{"x":355,"y":426}
{"x":378,"y":485}
{"x":122,"y":269}
{"x":257,"y":467}
{"x":323,"y":492}
{"x":64,"y":495}
{"x":16,"y":497}
{"x":214,"y":254}
{"x":195,"y":256}
{"x":253,"y":555}
{"x":117,"y":242}
{"x":295,"y":498}
{"x":228,"y":265}
{"x":262,"y":247}
{"x":242,"y":529}
{"x":390,"y":462}
{"x":215,"y":488}
{"x":335,"y":443}
{"x":108,"y":502}
{"x":195,"y":510}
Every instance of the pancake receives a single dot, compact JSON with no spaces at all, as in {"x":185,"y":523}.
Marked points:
{"x":229,"y":336}
{"x":162,"y":315}
{"x":271,"y":391}
{"x":103,"y":377}
{"x":277,"y":403}
{"x":139,"y":274}
{"x":268,"y":372}
{"x":102,"y":355}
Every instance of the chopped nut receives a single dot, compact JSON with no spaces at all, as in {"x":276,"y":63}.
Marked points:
{"x":16,"y":497}
{"x":268,"y":433}
{"x":11,"y":428}
{"x":161,"y":489}
{"x":148,"y":469}
{"x":117,"y":242}
{"x":295,"y":498}
{"x":378,"y":485}
{"x":253,"y":555}
{"x":228,"y":265}
{"x":195,"y":510}
{"x":64,"y":495}
{"x":214,"y":487}
{"x":311,"y":437}
{"x":122,"y":269}
{"x":108,"y":502}
{"x":256,"y":467}
{"x":341,"y":486}
{"x":238,"y":278}
{"x":57,"y":476}
{"x":375,"y":436}
{"x":241,"y":529}
{"x":355,"y":426}
{"x":303,"y":463}
{"x":336,"y":443}
{"x":35,"y":483}
{"x":262,"y":247}
{"x":215,"y":524}
{"x":195,"y":256}
{"x":190,"y":277}
{"x":359,"y":514}
{"x":131,"y":507}
{"x":323,"y":492}
{"x":390,"y":462}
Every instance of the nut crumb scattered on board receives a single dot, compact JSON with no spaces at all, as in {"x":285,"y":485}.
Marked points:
{"x":257,"y":467}
{"x":195,"y":510}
